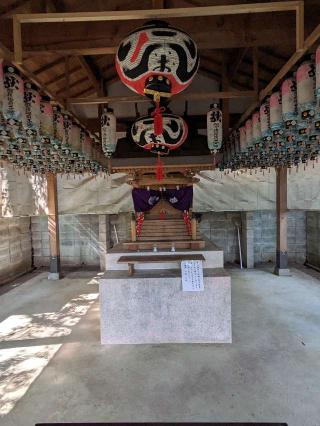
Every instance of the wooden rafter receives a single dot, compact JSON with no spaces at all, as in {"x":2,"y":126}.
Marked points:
{"x":158,"y":4}
{"x":7,"y":11}
{"x":90,"y":73}
{"x":255,"y":69}
{"x":236,"y":64}
{"x":58,"y":78}
{"x":49,"y":65}
{"x":87,"y":91}
{"x":72,"y":85}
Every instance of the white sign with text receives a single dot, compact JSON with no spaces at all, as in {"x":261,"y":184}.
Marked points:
{"x":192,"y":275}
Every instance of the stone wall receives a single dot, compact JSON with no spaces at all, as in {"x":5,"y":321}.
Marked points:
{"x":82,"y":237}
{"x":258,"y":235}
{"x":15,"y":247}
{"x":122,"y":223}
{"x":79,"y":240}
{"x":220,"y":228}
{"x":265,"y":236}
{"x":313,"y":238}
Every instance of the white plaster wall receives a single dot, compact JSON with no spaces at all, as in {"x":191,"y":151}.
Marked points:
{"x":25,"y":195}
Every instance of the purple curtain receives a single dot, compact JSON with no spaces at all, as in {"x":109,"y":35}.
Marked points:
{"x":144,"y":200}
{"x":180,"y":199}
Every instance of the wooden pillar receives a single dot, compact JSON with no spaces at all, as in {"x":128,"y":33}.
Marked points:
{"x":133,"y":230}
{"x":193,"y":228}
{"x":225,"y":102}
{"x":53,"y":227}
{"x":282,"y":226}
{"x":255,"y":62}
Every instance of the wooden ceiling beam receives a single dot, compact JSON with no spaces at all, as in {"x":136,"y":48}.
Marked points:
{"x":234,"y":32}
{"x":90,"y":51}
{"x":183,"y":96}
{"x":296,"y":6}
{"x":192,"y":12}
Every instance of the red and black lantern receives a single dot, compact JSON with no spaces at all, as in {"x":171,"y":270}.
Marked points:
{"x":157,"y":60}
{"x":175,"y":132}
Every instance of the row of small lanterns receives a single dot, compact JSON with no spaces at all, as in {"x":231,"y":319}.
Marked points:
{"x":285,"y":130}
{"x":39,"y":137}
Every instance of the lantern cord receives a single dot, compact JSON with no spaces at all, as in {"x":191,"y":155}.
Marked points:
{"x":158,"y":119}
{"x":159,"y":169}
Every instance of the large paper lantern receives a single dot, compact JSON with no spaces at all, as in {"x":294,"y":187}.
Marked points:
{"x":242,"y":138}
{"x":249,"y":139}
{"x":108,"y":132}
{"x":58,"y":127}
{"x":75,"y":139}
{"x":306,"y":83}
{"x":317,"y":121}
{"x":46,"y":118}
{"x":214,"y":128}
{"x":265,"y":121}
{"x":87,"y":146}
{"x":256,"y":127}
{"x":289,"y":102}
{"x":276,"y":122}
{"x":318,"y":74}
{"x":13,"y":102}
{"x":175,"y":131}
{"x":157,"y":60}
{"x":1,"y":86}
{"x":32,"y":100}
{"x":3,"y":124}
{"x":67,"y":129}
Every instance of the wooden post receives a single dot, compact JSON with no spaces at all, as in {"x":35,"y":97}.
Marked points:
{"x":193,"y":228}
{"x":67,"y":79}
{"x":17,"y":40}
{"x":133,"y":230}
{"x":225,"y":102}
{"x":53,"y":227}
{"x":255,"y":62}
{"x":281,"y":267}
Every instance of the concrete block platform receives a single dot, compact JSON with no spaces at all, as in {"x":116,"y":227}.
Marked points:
{"x":213,"y":258}
{"x":150,"y":307}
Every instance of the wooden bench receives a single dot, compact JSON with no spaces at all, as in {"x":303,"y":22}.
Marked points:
{"x":131,"y":260}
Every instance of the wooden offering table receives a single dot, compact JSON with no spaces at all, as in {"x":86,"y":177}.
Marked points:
{"x":131,"y":260}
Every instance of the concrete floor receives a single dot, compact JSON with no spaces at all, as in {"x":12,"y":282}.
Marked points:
{"x":53,"y":368}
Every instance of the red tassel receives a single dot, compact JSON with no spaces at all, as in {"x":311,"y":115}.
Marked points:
{"x":159,"y":169}
{"x":158,"y":120}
